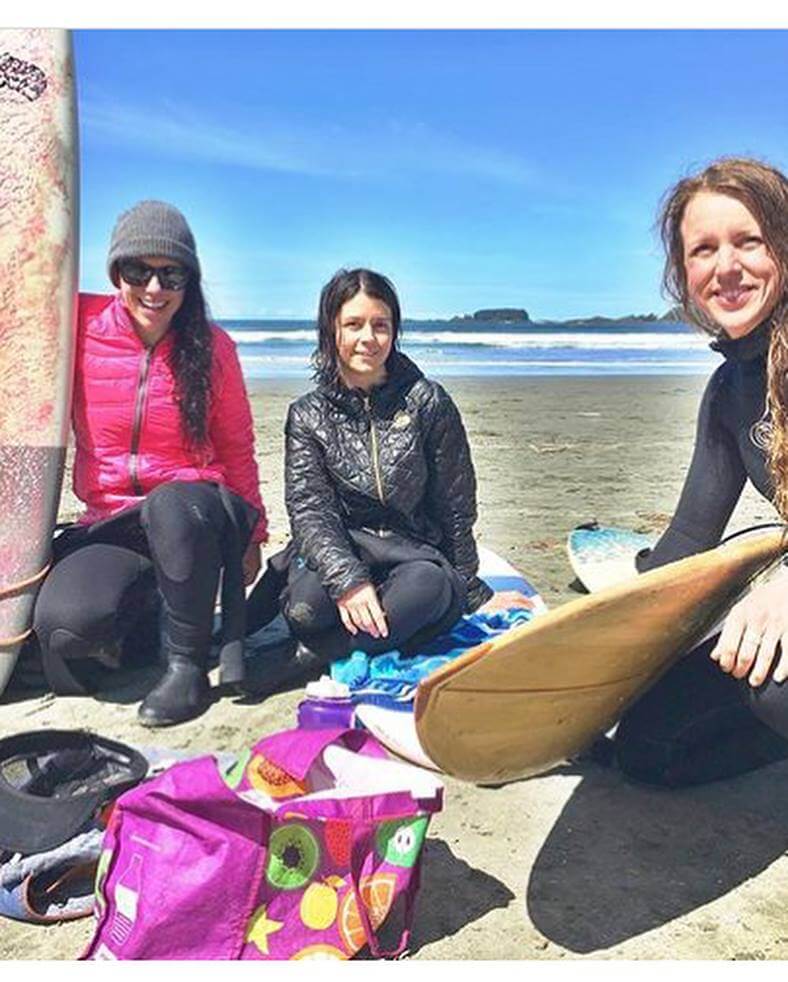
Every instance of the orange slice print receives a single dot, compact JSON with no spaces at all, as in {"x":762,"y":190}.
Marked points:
{"x":377,"y":892}
{"x":318,"y":952}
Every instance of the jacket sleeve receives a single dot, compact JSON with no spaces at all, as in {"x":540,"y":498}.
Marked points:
{"x":711,"y":489}
{"x":451,"y":493}
{"x":231,"y":430}
{"x":314,"y":510}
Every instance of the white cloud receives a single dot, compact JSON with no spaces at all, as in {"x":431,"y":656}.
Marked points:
{"x":320,"y":150}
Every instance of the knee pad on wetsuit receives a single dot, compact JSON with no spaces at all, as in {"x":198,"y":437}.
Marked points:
{"x":183,"y":522}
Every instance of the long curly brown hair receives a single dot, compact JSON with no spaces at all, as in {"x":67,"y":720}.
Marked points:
{"x":190,"y":359}
{"x":763,"y":190}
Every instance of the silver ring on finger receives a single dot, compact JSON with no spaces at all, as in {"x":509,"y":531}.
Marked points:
{"x":751,"y":641}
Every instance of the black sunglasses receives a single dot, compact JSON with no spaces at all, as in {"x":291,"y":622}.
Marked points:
{"x":137,"y":273}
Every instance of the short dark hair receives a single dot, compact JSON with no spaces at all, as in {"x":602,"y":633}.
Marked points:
{"x":343,"y":286}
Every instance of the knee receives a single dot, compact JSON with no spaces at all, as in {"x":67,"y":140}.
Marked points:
{"x":182,"y":520}
{"x":179,"y":504}
{"x":426,"y":581}
{"x":307,"y":607}
{"x":61,"y":622}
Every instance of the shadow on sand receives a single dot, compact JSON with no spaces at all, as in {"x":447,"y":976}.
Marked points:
{"x":453,"y":894}
{"x":623,"y":859}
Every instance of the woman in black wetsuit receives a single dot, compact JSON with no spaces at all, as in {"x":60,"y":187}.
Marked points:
{"x":723,"y":709}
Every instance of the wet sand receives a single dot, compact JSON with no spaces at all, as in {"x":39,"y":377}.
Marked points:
{"x":576,"y":863}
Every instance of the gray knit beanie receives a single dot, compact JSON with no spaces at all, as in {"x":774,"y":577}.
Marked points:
{"x":152,"y":228}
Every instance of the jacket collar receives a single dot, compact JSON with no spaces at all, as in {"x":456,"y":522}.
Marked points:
{"x":752,"y":346}
{"x":401,"y":375}
{"x":123,"y":324}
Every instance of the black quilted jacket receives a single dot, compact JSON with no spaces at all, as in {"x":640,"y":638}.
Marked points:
{"x":396,"y":459}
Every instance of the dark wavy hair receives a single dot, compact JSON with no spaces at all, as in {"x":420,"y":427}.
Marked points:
{"x":763,"y":190}
{"x":190,"y":359}
{"x":343,"y":286}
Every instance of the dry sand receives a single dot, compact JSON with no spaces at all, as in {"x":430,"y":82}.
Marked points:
{"x":576,"y":863}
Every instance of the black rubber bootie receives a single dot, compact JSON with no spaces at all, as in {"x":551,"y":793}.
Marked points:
{"x":183,"y":693}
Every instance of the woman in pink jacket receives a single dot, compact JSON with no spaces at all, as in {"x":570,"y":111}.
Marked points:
{"x":165,"y":466}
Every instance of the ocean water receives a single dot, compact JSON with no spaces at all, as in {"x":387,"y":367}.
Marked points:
{"x":281,"y":349}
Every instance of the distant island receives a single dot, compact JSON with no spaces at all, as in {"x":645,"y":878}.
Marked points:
{"x":500,"y":315}
{"x":517,"y":315}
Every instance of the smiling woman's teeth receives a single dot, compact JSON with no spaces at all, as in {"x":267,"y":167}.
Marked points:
{"x":153,"y":305}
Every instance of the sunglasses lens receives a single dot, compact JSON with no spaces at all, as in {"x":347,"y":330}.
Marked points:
{"x":134,"y":273}
{"x":173,"y":277}
{"x":137,"y":273}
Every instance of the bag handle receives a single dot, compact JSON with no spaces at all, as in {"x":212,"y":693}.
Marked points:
{"x":362,"y":842}
{"x":296,"y":750}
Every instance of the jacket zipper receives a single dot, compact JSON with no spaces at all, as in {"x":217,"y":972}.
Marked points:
{"x":374,"y":448}
{"x":139,"y":405}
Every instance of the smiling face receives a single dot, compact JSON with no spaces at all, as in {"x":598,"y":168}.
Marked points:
{"x":730,"y":272}
{"x":364,"y":331}
{"x":151,"y":307}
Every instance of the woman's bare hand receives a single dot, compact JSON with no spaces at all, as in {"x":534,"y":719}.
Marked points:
{"x":504,"y":600}
{"x":755,"y":627}
{"x":360,"y":610}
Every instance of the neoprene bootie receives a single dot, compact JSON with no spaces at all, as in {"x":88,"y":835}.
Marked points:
{"x":291,"y":664}
{"x":181,"y":694}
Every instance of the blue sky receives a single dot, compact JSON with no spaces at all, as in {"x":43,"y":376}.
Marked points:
{"x":475,"y":168}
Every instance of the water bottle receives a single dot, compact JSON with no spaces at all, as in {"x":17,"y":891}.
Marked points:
{"x":327,"y":706}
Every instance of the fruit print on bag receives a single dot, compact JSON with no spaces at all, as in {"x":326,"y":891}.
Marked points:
{"x":319,"y":905}
{"x":272,"y":780}
{"x":318,"y":952}
{"x":294,"y":857}
{"x":377,"y":892}
{"x":399,"y":841}
{"x":339,"y":839}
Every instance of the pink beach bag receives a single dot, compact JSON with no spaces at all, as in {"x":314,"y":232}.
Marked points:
{"x":300,"y":850}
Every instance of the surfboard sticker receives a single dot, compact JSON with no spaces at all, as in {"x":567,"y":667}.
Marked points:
{"x":602,"y":556}
{"x":22,"y":77}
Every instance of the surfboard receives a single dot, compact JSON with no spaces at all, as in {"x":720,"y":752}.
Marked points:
{"x":396,"y":728}
{"x":38,"y":222}
{"x":537,"y":695}
{"x":602,"y":556}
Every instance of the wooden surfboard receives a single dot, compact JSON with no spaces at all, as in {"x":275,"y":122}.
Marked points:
{"x":528,"y":700}
{"x":38,"y":222}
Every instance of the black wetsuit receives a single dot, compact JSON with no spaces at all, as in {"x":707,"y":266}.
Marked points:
{"x":99,"y":604}
{"x":696,"y":723}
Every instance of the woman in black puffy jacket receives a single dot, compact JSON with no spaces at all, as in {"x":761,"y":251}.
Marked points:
{"x":380,"y":490}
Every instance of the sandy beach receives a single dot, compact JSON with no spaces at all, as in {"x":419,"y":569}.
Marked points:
{"x":575,"y":863}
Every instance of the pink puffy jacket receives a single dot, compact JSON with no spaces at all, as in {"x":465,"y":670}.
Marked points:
{"x":127,"y":424}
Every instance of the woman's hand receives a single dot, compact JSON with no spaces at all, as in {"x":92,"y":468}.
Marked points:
{"x":504,"y":600}
{"x":360,"y":610}
{"x":753,"y":630}
{"x":251,"y":563}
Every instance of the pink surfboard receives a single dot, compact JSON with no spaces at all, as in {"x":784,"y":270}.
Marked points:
{"x":38,"y":236}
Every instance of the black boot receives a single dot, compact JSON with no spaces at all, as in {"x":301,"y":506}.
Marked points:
{"x":182,"y":693}
{"x":290,"y":665}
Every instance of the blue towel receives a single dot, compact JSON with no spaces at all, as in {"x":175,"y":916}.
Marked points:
{"x":391,"y":679}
